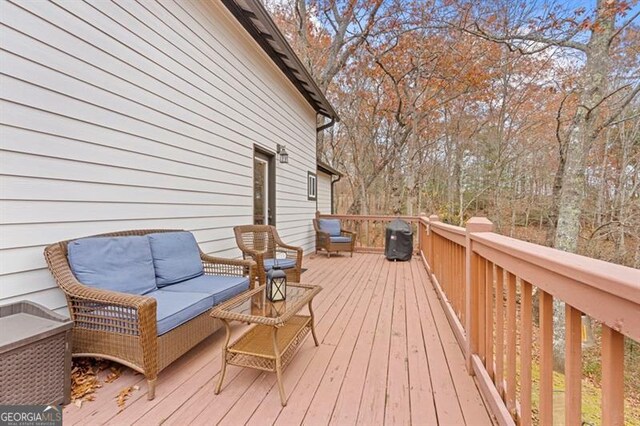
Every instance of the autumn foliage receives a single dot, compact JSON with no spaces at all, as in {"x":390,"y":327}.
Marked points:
{"x":466,"y":108}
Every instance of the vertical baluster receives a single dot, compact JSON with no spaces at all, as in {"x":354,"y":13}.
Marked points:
{"x":573,"y":367}
{"x":489,"y":318}
{"x":454,"y":281}
{"x":472,"y":308}
{"x":546,"y":358}
{"x":452,"y":272}
{"x":440,"y":258}
{"x":449,"y":271}
{"x":461,"y":284}
{"x":367,"y":235}
{"x":459,"y":281}
{"x":511,"y":343}
{"x":445,"y":266}
{"x":499,"y":377}
{"x":525,"y":354}
{"x":463,"y":294}
{"x":612,"y":377}
{"x":482,"y":307}
{"x":436,"y":256}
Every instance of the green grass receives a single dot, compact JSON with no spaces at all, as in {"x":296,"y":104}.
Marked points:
{"x":591,"y":400}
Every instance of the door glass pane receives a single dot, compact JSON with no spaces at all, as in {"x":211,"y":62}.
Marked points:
{"x":259,"y":192}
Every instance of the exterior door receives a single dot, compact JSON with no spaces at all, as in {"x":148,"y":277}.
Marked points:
{"x":263,"y":188}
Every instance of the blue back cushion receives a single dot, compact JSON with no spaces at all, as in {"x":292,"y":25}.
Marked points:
{"x":121,"y":264}
{"x":175,"y":256}
{"x":332,"y":226}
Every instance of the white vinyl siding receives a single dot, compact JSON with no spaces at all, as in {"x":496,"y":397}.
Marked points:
{"x":129,"y":115}
{"x":324,"y":193}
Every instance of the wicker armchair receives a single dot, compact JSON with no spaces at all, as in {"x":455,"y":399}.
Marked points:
{"x":323,"y":240}
{"x":122,"y":327}
{"x":262,"y":243}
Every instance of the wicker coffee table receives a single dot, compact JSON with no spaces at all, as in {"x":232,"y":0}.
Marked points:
{"x":277,"y":331}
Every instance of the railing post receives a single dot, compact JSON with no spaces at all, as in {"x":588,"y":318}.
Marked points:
{"x":475,"y":224}
{"x":419,"y":228}
{"x":433,"y":218}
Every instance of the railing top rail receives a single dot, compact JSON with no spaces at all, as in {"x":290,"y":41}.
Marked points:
{"x":451,"y":228}
{"x":620,"y":280}
{"x":369,"y":217}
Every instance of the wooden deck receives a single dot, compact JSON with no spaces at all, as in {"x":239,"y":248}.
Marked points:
{"x":387,"y":355}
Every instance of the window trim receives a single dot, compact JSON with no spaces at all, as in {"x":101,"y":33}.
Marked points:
{"x":312,"y":189}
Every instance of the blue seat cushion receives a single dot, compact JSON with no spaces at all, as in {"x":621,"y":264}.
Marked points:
{"x":282,"y":263}
{"x":121,"y":264}
{"x":331,"y":226}
{"x":340,"y":239}
{"x":176,"y":257}
{"x":221,"y":287}
{"x":176,"y":308}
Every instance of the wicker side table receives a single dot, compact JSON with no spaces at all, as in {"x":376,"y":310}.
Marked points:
{"x":279,"y":329}
{"x":35,"y":355}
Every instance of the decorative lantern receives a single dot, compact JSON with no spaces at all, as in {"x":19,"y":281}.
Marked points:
{"x":276,"y":284}
{"x":282,"y":152}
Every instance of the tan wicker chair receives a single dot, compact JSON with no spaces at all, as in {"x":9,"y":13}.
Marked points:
{"x":323,"y":240}
{"x":260,"y":242}
{"x":131,"y":338}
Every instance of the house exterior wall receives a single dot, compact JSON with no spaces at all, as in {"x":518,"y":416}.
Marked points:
{"x":324,"y":192}
{"x":138,"y":115}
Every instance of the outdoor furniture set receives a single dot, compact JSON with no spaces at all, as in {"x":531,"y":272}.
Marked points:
{"x":143,"y":298}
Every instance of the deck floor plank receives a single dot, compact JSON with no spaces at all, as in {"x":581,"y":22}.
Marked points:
{"x":397,"y":404}
{"x":469,"y":399}
{"x":324,"y":324}
{"x":387,"y":355}
{"x":444,"y":393}
{"x":374,"y":394}
{"x":321,"y":407}
{"x":423,"y":409}
{"x":304,"y":394}
{"x":347,"y":405}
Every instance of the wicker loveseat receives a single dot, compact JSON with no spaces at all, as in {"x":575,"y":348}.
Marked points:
{"x":132,"y":319}
{"x":330,"y":236}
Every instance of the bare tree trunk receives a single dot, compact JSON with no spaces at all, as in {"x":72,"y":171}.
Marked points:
{"x":580,"y":139}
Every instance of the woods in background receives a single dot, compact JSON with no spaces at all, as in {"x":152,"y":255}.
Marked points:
{"x":526,"y":113}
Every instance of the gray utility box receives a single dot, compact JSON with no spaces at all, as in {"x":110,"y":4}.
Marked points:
{"x":35,"y":355}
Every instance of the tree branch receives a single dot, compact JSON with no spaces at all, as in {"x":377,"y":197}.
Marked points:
{"x":623,"y":26}
{"x":508,"y":39}
{"x":626,"y":101}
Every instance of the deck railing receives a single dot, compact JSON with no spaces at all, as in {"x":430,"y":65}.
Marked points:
{"x":488,"y":284}
{"x":498,"y":293}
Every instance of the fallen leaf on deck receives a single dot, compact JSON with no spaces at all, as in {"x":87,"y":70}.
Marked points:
{"x":124,"y":394}
{"x":115,"y":373}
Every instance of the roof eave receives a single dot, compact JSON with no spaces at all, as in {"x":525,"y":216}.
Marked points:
{"x":253,"y":16}
{"x":327,"y":168}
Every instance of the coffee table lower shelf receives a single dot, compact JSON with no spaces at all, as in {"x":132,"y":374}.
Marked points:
{"x":268,"y":348}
